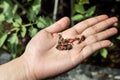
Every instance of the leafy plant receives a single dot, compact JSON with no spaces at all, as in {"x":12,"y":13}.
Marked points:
{"x":103,"y":52}
{"x":16,"y":28}
{"x":80,"y":13}
{"x":83,"y":2}
{"x":118,"y":37}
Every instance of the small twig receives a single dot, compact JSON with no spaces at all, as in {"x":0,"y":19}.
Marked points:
{"x":26,"y":25}
{"x":55,"y":9}
{"x":20,"y":5}
{"x":12,"y":30}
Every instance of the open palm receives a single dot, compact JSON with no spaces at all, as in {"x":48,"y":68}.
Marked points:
{"x":44,"y":60}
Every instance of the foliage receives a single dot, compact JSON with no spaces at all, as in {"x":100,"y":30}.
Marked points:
{"x":80,"y":13}
{"x":118,"y":37}
{"x":103,"y":52}
{"x":17,"y":24}
{"x":83,"y":2}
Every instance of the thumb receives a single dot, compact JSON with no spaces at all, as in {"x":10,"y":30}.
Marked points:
{"x":59,"y":25}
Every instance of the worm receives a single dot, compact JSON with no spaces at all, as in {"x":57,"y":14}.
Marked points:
{"x":67,"y":44}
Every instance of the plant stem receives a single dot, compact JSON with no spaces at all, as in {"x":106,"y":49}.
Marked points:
{"x":14,"y":29}
{"x":71,"y":12}
{"x":55,"y":9}
{"x":26,"y":25}
{"x":20,"y":5}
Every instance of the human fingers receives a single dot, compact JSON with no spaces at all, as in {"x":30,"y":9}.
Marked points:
{"x":96,"y":38}
{"x":59,"y":25}
{"x":100,"y":26}
{"x":80,"y":27}
{"x":93,"y":35}
{"x":100,"y":36}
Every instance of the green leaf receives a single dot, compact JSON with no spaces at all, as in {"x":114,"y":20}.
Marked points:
{"x":6,"y":6}
{"x":1,"y":27}
{"x":36,"y":5}
{"x":79,"y":8}
{"x":77,"y":17}
{"x":31,"y":15}
{"x":12,"y":44}
{"x":49,"y":21}
{"x":7,"y":11}
{"x":104,"y":53}
{"x":118,"y":37}
{"x":23,"y":31}
{"x":15,"y":8}
{"x":13,"y":39}
{"x":2,"y":17}
{"x":3,"y":37}
{"x":84,"y":2}
{"x":90,"y":11}
{"x":29,"y":0}
{"x":9,"y":17}
{"x":15,"y":24}
{"x":32,"y":31}
{"x":17,"y":21}
{"x":43,"y":22}
{"x":34,"y":10}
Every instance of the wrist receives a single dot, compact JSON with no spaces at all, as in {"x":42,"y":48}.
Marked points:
{"x":14,"y":70}
{"x":26,"y":68}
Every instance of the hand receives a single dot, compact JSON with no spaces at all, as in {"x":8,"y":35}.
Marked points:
{"x":42,"y":58}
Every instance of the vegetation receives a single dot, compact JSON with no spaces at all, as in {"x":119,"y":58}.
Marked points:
{"x":18,"y":22}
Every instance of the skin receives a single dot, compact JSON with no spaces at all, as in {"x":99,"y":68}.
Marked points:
{"x":42,"y":60}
